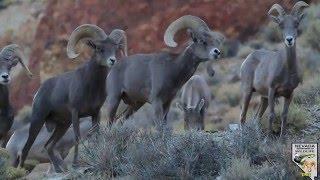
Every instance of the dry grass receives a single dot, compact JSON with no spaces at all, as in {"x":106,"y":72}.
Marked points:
{"x":229,"y":93}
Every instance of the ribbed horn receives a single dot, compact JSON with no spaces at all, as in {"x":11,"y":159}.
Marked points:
{"x":84,"y":31}
{"x":188,"y":21}
{"x":298,"y":7}
{"x":278,"y":8}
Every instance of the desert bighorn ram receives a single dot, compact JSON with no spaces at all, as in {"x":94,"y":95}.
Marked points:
{"x":274,"y":73}
{"x":9,"y":57}
{"x":195,"y":100}
{"x":64,"y":99}
{"x":155,"y":78}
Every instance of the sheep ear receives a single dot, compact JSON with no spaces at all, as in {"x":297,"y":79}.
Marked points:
{"x":91,"y":44}
{"x":301,"y":16}
{"x":14,"y":62}
{"x":192,"y":35}
{"x":200,"y":105}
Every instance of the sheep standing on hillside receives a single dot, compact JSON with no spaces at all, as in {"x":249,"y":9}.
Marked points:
{"x":65,"y":98}
{"x":156,"y":78}
{"x":9,"y":57}
{"x":274,"y":73}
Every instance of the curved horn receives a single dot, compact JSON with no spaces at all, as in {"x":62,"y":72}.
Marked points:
{"x":297,"y":8}
{"x":188,"y":21}
{"x":13,"y":51}
{"x":120,"y":37}
{"x":81,"y":32}
{"x":278,"y":8}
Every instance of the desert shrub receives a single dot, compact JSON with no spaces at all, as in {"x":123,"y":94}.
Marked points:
{"x":239,"y":169}
{"x":250,"y":154}
{"x":298,"y":117}
{"x":270,"y":32}
{"x":310,"y":27}
{"x":30,"y":164}
{"x":308,"y":93}
{"x":244,"y":51}
{"x":310,"y":36}
{"x":309,"y":59}
{"x":7,"y":171}
{"x":229,"y":93}
{"x":128,"y":151}
{"x":230,"y":48}
{"x":15,"y":173}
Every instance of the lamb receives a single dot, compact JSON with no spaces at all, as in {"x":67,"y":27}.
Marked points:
{"x":194,"y":101}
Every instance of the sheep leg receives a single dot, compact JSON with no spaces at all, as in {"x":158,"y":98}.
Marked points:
{"x":95,"y":120}
{"x":159,"y":114}
{"x":271,"y":103}
{"x":54,"y":156}
{"x":35,"y":127}
{"x":133,"y":109}
{"x":130,"y":110}
{"x":76,"y":129}
{"x":112,"y":106}
{"x":245,"y":104}
{"x":166,"y":108}
{"x":262,"y":108}
{"x":5,"y":139}
{"x":284,"y":114}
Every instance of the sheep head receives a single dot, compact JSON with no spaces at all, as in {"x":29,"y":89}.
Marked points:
{"x":10,"y":56}
{"x":205,"y":42}
{"x":288,"y":23}
{"x":105,"y":47}
{"x":193,"y":115}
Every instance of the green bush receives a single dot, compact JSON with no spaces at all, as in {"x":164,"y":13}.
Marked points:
{"x":271,"y":32}
{"x":310,"y":27}
{"x":311,"y":36}
{"x":7,"y":171}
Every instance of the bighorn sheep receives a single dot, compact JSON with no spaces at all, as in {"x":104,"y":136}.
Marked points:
{"x":19,"y":138}
{"x":194,"y":102}
{"x":64,"y":99}
{"x":274,"y":73}
{"x":9,"y":57}
{"x":155,"y":78}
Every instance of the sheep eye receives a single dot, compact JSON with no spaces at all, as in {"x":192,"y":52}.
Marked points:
{"x":281,"y":25}
{"x":205,"y":43}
